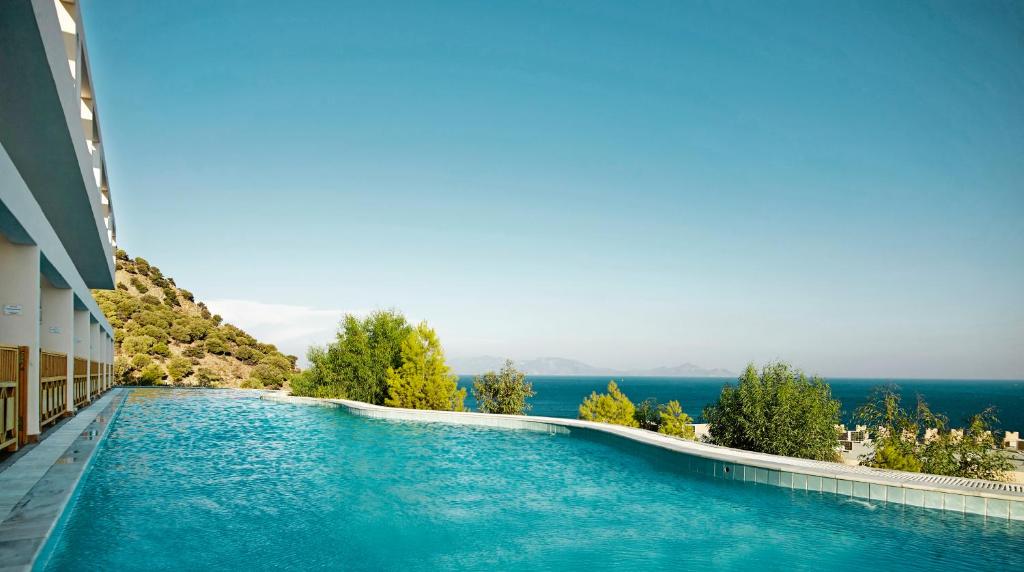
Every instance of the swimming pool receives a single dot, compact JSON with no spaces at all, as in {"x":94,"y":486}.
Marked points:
{"x":219,"y":479}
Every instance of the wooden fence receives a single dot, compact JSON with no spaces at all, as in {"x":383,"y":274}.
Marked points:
{"x":80,"y":395}
{"x":94,"y":382}
{"x":9,"y":373}
{"x":53,"y":386}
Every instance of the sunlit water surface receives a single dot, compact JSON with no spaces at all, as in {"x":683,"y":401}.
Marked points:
{"x":199,"y":480}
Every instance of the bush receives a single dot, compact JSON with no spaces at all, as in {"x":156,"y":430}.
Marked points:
{"x":268,"y":376}
{"x":122,"y":370}
{"x":151,"y":374}
{"x":215,"y":345}
{"x":137,"y":344}
{"x":149,"y":300}
{"x":278,"y":361}
{"x":187,"y":295}
{"x":152,"y":318}
{"x":613,"y":407}
{"x":141,"y":265}
{"x":195,"y":351}
{"x":199,"y":328}
{"x":245,"y":354}
{"x":779,"y":411}
{"x":160,"y":349}
{"x":158,"y":334}
{"x":180,"y":334}
{"x":140,"y":361}
{"x":120,"y":254}
{"x":424,"y":380}
{"x":139,"y":285}
{"x":673,"y":421}
{"x":122,"y":286}
{"x":206,"y":377}
{"x":171,"y":297}
{"x":251,"y":383}
{"x":503,"y":392}
{"x":179,"y":368}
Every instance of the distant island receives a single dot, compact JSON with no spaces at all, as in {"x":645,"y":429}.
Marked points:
{"x":565,"y":366}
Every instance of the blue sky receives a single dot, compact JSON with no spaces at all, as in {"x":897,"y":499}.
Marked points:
{"x":840,"y":185}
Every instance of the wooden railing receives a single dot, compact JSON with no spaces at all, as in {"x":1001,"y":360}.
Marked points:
{"x":94,"y":379}
{"x":53,"y":386}
{"x":9,"y":368}
{"x":80,"y":393}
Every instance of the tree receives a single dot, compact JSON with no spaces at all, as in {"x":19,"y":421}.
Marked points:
{"x":613,"y":407}
{"x":137,"y":345}
{"x":673,"y":421}
{"x":968,"y":453}
{"x":504,"y":392}
{"x":356,"y":365}
{"x":215,"y":345}
{"x":267,"y":376}
{"x":424,"y":380}
{"x":151,"y":374}
{"x":779,"y":411}
{"x":179,"y":368}
{"x":648,"y":414}
{"x":206,"y":377}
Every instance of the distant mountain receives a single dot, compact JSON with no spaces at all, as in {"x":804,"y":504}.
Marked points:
{"x":564,"y":366}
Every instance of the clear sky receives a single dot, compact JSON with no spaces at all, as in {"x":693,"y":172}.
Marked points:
{"x":837,"y":184}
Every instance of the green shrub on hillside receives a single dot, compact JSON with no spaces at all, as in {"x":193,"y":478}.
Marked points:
{"x":137,"y":345}
{"x":171,"y":297}
{"x":268,"y":376}
{"x":612,"y":407}
{"x":779,"y":411}
{"x":149,"y":300}
{"x":247,"y":355}
{"x":216,"y":345}
{"x":195,"y":351}
{"x":178,"y":368}
{"x":139,"y":361}
{"x":122,"y":286}
{"x":151,"y":374}
{"x":160,"y":349}
{"x":180,"y":334}
{"x":158,"y":334}
{"x":206,"y":377}
{"x":141,"y":265}
{"x":139,"y":285}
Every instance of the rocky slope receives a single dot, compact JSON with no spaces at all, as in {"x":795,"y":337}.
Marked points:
{"x":164,"y":336}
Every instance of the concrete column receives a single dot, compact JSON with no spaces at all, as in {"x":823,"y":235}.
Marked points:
{"x":19,"y":314}
{"x":57,"y":328}
{"x":82,"y":335}
{"x":94,"y":351}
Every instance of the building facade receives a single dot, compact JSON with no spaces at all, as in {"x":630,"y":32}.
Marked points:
{"x":57,"y":227}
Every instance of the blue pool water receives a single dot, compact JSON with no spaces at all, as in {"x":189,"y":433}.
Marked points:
{"x":202,"y":480}
{"x":560,"y":396}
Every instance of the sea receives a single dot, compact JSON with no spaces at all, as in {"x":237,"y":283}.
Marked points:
{"x":560,"y":396}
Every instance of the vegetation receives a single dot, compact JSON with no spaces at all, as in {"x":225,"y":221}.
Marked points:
{"x":779,"y":411}
{"x":673,"y":421}
{"x":504,"y":392}
{"x":615,"y":408}
{"x":162,"y":335}
{"x":898,"y":434}
{"x":612,"y":407}
{"x":356,"y":365}
{"x":424,"y":380}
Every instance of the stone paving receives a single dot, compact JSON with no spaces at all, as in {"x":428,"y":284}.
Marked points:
{"x":35,"y":489}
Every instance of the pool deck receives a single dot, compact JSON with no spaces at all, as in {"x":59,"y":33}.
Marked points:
{"x":37,"y":486}
{"x":989,"y":499}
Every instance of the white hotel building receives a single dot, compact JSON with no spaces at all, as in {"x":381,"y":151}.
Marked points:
{"x":57,"y":229}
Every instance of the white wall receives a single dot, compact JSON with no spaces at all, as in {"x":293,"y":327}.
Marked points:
{"x":19,"y":313}
{"x":57,"y":328}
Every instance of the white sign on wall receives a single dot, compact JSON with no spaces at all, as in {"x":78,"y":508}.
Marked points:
{"x":12,"y":310}
{"x":54,"y":330}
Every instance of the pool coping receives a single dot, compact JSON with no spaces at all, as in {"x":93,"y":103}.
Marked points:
{"x":27,"y":529}
{"x":990,"y":499}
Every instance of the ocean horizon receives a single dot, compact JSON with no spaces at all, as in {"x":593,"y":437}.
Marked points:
{"x":561,"y":395}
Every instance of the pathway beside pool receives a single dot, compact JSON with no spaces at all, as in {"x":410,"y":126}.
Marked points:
{"x":38,"y":485}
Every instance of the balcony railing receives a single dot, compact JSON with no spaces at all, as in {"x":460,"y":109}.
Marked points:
{"x":9,"y":370}
{"x":53,"y":386}
{"x":80,"y":393}
{"x":94,"y":384}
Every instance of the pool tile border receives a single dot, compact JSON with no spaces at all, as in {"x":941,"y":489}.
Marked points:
{"x":963,"y":496}
{"x":26,"y":531}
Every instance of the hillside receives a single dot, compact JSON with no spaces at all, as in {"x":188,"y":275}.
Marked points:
{"x":164,"y":336}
